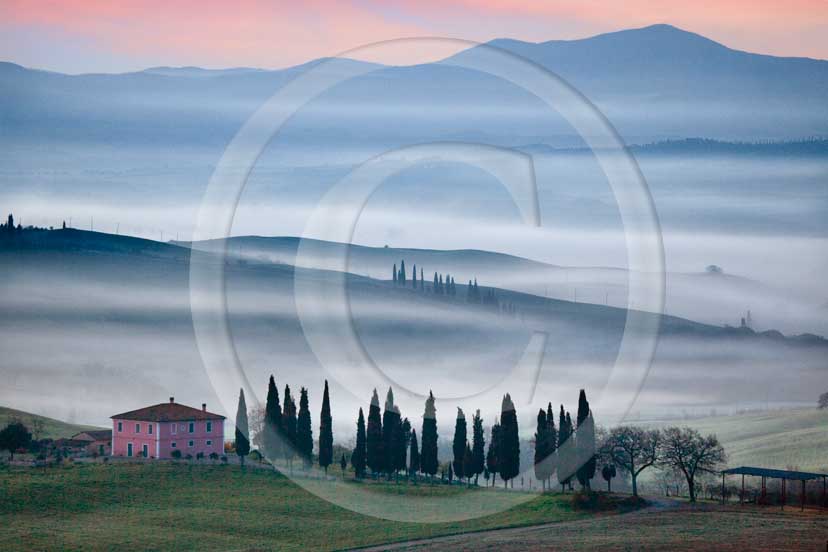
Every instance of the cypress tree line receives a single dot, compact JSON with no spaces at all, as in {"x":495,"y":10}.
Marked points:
{"x":585,"y":443}
{"x":359,"y":455}
{"x":493,"y":455}
{"x":304,"y":433}
{"x":478,"y":447}
{"x":289,"y":427}
{"x":325,"y":431}
{"x":374,"y":435}
{"x":273,"y":430}
{"x":242,"y":431}
{"x":510,"y":440}
{"x":459,"y":444}
{"x":413,"y":455}
{"x":552,"y":444}
{"x":567,"y":456}
{"x":428,"y":449}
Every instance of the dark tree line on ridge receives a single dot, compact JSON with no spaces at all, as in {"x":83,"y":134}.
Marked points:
{"x":444,"y":285}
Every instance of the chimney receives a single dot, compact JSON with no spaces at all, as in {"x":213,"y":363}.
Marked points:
{"x":204,"y":407}
{"x":172,"y":400}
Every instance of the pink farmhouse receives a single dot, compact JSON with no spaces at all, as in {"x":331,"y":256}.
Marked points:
{"x":157,"y":431}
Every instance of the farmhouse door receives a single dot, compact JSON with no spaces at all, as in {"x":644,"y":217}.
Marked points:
{"x":145,"y":451}
{"x":129,"y":449}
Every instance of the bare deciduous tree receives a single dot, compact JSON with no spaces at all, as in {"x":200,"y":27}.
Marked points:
{"x":633,"y":449}
{"x":687,"y":451}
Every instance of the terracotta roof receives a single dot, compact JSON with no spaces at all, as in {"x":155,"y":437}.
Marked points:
{"x":95,"y":434}
{"x":167,"y":412}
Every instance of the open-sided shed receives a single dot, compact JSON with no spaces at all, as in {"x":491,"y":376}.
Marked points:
{"x":784,"y":475}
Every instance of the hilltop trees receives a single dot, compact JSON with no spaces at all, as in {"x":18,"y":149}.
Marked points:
{"x":374,"y":436}
{"x":304,"y":433}
{"x":686,"y":451}
{"x":359,"y":455}
{"x":633,"y":449}
{"x":242,"y":430}
{"x":458,"y":446}
{"x":478,"y":463}
{"x":272,"y":438}
{"x":325,"y":431}
{"x":509,"y":453}
{"x":428,"y":449}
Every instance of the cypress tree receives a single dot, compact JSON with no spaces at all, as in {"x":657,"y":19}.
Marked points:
{"x":325,"y":431}
{"x":374,"y":435}
{"x":390,"y":422}
{"x":459,"y":444}
{"x":541,"y":448}
{"x":585,"y":443}
{"x":422,"y":280}
{"x":566,"y":454}
{"x":413,"y":455}
{"x":440,"y":285}
{"x":414,"y":277}
{"x":242,"y":431}
{"x":289,"y":426}
{"x":478,"y":447}
{"x":343,"y":464}
{"x":493,"y":456}
{"x":394,"y":270}
{"x":510,"y":440}
{"x":304,"y":433}
{"x":552,"y":440}
{"x":469,"y":293}
{"x":401,"y":444}
{"x":402,"y":273}
{"x":273,"y":431}
{"x":434,"y":286}
{"x":428,"y":450}
{"x":468,"y":463}
{"x":359,"y":455}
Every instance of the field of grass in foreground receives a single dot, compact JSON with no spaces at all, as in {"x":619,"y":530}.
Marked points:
{"x":214,"y":507}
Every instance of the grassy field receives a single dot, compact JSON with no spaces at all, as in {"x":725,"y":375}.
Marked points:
{"x":52,"y":429}
{"x":774,"y":439}
{"x":216,"y":507}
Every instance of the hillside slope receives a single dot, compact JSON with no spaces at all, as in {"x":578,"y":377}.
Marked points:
{"x":52,"y":428}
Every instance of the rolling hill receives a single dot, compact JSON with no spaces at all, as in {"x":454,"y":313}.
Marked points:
{"x":51,"y":428}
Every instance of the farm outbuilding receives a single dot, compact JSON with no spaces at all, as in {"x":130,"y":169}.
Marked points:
{"x":783,"y":475}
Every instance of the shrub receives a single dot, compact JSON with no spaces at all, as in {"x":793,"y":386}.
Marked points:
{"x":176,"y":454}
{"x":189,"y":457}
{"x":199,"y":456}
{"x":214,"y":456}
{"x":224,"y":459}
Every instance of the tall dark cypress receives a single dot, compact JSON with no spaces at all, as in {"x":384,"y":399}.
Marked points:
{"x":325,"y":431}
{"x":541,"y":448}
{"x":510,"y":443}
{"x":413,"y":455}
{"x":552,"y":440}
{"x":374,"y":435}
{"x":428,"y":446}
{"x":478,"y":447}
{"x":242,"y":431}
{"x":414,"y":277}
{"x":289,"y":425}
{"x":304,"y":433}
{"x":585,"y":443}
{"x":401,"y":444}
{"x":566,"y":450}
{"x":395,"y":272}
{"x":273,"y":430}
{"x":458,"y":446}
{"x":401,"y":277}
{"x":434,"y":287}
{"x":359,"y":455}
{"x":422,"y":280}
{"x":493,"y":455}
{"x":390,"y":422}
{"x":468,"y":463}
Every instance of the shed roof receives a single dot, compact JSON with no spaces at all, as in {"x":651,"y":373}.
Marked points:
{"x":776,"y":474}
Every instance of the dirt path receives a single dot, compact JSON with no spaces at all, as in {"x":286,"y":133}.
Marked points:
{"x":664,"y":525}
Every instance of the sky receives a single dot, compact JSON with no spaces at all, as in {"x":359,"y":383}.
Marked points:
{"x":78,"y":36}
